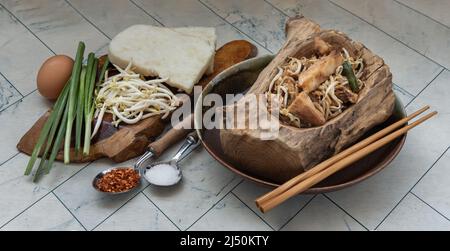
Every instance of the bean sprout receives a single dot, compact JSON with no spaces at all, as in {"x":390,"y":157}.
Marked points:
{"x":324,"y":98}
{"x":130,"y":98}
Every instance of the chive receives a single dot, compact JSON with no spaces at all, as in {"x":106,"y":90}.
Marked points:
{"x":350,"y":75}
{"x":54,"y":127}
{"x":58,"y":141}
{"x":74,"y":82}
{"x":45,"y":131}
{"x":80,"y":110}
{"x":89,"y":108}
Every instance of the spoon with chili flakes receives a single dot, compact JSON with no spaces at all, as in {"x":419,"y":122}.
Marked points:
{"x":119,"y":180}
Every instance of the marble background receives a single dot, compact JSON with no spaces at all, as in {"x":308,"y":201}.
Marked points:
{"x":413,"y":36}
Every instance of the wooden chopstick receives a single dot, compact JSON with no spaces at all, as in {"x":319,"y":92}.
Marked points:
{"x":279,"y":190}
{"x":316,"y":178}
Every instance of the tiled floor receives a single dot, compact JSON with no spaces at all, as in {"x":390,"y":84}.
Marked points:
{"x":413,"y":193}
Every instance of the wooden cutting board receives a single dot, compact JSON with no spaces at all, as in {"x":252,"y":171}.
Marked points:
{"x":128,"y":141}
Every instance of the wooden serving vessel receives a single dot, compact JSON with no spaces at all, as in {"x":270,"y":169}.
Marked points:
{"x":246,"y":74}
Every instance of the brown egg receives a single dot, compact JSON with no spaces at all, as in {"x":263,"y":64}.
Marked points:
{"x":53,"y":75}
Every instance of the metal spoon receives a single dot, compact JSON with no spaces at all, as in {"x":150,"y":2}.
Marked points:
{"x":155,"y":149}
{"x":168,"y":172}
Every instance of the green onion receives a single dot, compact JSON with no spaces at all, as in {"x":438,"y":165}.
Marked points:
{"x":57,"y":108}
{"x":74,"y":83}
{"x":74,"y":105}
{"x":350,"y":75}
{"x":59,"y":113}
{"x":89,"y":71}
{"x":89,"y":107}
{"x":58,"y":141}
{"x":80,"y":110}
{"x":102,"y":72}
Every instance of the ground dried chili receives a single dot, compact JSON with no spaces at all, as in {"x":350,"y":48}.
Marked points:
{"x":119,"y":180}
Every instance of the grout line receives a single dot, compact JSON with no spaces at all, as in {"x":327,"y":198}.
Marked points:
{"x":414,"y":96}
{"x":10,"y":158}
{"x":69,"y":210}
{"x":137,"y":5}
{"x":28,"y":207}
{"x":148,"y":198}
{"x":242,"y":32}
{"x":17,"y":101}
{"x":26,"y":27}
{"x":417,"y":182}
{"x":430,"y":206}
{"x":423,"y":14}
{"x":84,"y":17}
{"x":117,"y":209}
{"x":142,"y":191}
{"x":206,"y":6}
{"x":304,"y":206}
{"x":28,"y":94}
{"x":426,"y":86}
{"x":259,"y":216}
{"x":332,"y":201}
{"x":231,"y":191}
{"x":401,"y":89}
{"x":437,"y":160}
{"x":432,"y":60}
{"x":278,"y":9}
{"x":242,"y":180}
{"x":9,"y":82}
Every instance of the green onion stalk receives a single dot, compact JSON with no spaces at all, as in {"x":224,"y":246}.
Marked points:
{"x":49,"y":128}
{"x":80,"y":110}
{"x":58,"y":141}
{"x":89,"y":104}
{"x":74,"y":84}
{"x":55,"y":124}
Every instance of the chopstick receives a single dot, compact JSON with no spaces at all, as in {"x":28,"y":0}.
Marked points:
{"x":279,"y":190}
{"x":325,"y":169}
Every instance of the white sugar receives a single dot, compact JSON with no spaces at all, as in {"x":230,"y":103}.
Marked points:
{"x":162,"y":175}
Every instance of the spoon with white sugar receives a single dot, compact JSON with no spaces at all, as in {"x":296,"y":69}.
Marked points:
{"x":168,"y":173}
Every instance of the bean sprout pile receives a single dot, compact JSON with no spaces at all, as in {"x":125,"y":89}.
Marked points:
{"x":330,"y":98}
{"x":130,"y":98}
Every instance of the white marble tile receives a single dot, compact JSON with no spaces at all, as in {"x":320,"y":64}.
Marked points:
{"x":257,"y":19}
{"x":47,"y":214}
{"x":17,"y":192}
{"x":435,"y":9}
{"x":371,"y":200}
{"x":412,"y":28}
{"x":403,"y":95}
{"x":17,"y":119}
{"x":321,"y":214}
{"x":230,"y":214}
{"x":139,"y":214}
{"x":414,"y":215}
{"x":173,"y":13}
{"x":16,"y":46}
{"x":433,"y":187}
{"x":204,"y":182}
{"x":8,"y":94}
{"x":87,"y":204}
{"x":277,"y":217}
{"x":410,"y":70}
{"x":58,"y":25}
{"x":112,"y":16}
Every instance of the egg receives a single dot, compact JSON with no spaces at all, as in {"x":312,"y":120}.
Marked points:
{"x":53,"y":75}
